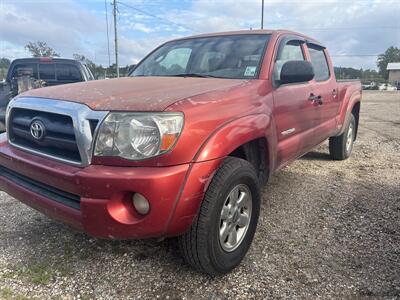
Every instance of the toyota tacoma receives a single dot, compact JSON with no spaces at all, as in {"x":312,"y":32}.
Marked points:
{"x":181,"y":147}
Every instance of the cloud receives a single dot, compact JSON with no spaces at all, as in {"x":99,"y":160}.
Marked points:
{"x":139,"y":26}
{"x":362,"y":27}
{"x":63,"y":25}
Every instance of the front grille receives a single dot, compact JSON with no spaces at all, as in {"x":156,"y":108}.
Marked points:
{"x":69,"y":128}
{"x":58,"y":141}
{"x":42,"y":189}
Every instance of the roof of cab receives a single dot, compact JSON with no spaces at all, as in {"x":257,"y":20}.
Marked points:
{"x":252,"y":31}
{"x":46,"y":59}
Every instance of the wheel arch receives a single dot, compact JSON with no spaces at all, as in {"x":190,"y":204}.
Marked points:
{"x":238,"y":138}
{"x":247,"y":138}
{"x":351,"y":104}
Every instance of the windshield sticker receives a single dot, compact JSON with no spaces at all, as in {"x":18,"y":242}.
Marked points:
{"x":250,"y":71}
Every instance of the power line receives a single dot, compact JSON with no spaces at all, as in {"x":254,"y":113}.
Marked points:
{"x":157,"y":17}
{"x":108,"y":37}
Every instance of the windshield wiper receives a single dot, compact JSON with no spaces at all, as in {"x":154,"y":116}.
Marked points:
{"x":194,"y":75}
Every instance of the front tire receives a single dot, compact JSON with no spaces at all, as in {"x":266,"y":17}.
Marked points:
{"x":340,"y":147}
{"x":223,"y":230}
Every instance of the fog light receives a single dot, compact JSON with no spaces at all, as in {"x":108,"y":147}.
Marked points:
{"x":141,"y":204}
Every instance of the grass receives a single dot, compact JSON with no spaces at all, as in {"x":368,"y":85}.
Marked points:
{"x":38,"y":273}
{"x":7,"y":293}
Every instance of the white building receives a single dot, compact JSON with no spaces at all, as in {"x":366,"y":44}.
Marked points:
{"x":394,"y":73}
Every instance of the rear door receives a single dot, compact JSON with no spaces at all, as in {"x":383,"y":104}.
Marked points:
{"x":294,"y":113}
{"x":324,"y":86}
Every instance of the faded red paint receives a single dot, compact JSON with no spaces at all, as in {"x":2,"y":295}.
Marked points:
{"x":133,"y":94}
{"x":220,"y":115}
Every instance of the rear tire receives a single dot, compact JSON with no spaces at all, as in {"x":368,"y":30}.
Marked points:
{"x":340,"y":147}
{"x":223,"y":230}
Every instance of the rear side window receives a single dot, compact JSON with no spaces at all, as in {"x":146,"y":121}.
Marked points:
{"x":24,"y":68}
{"x":68,"y":72}
{"x":319,"y":63}
{"x":47,"y":71}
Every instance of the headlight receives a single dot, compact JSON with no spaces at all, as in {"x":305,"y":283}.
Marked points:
{"x":138,"y":136}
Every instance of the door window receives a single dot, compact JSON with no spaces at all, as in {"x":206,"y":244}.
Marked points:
{"x":319,"y":63}
{"x":291,"y":51}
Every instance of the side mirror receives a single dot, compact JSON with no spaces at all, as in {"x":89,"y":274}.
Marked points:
{"x":296,"y":71}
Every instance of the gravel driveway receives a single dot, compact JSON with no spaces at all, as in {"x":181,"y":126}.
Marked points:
{"x":327,"y":229}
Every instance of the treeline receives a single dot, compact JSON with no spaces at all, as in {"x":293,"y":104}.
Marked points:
{"x":4,"y":64}
{"x":367,"y":75}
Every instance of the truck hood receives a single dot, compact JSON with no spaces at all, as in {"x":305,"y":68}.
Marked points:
{"x":134,"y":93}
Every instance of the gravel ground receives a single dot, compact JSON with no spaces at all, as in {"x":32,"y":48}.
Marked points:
{"x":327,"y":229}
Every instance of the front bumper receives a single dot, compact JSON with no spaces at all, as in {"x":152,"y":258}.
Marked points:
{"x":104,"y":208}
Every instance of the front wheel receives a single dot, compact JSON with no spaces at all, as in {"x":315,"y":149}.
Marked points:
{"x":340,"y":147}
{"x":223,"y":230}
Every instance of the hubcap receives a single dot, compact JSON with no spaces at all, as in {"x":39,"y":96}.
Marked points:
{"x":235,"y":217}
{"x":350,"y":138}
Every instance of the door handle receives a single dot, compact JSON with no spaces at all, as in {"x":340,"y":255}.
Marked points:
{"x":316,"y":99}
{"x":334,"y":93}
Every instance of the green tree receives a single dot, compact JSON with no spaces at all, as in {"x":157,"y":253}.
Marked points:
{"x":4,"y":64}
{"x":82,"y":58}
{"x":41,"y":49}
{"x":392,"y":54}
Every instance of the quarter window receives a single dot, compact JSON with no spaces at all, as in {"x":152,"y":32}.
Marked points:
{"x":319,"y":63}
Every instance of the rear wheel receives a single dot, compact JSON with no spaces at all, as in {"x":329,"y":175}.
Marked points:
{"x":340,"y":147}
{"x":223,"y":230}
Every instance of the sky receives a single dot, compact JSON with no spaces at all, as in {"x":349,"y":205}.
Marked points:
{"x":353,"y":31}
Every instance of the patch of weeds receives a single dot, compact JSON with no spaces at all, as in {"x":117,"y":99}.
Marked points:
{"x":38,"y":273}
{"x":7,"y":293}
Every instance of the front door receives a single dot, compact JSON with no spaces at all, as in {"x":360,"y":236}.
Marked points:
{"x":294,"y":113}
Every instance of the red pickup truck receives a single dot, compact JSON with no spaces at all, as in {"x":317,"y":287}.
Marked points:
{"x":181,"y":147}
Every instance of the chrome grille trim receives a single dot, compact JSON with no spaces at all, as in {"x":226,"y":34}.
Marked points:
{"x":80,"y":114}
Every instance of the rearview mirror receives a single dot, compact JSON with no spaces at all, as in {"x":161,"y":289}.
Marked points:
{"x":296,"y":71}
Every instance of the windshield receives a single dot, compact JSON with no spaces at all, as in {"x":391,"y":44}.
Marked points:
{"x":233,"y":56}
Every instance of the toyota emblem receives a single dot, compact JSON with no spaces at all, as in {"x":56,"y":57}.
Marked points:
{"x":37,"y":130}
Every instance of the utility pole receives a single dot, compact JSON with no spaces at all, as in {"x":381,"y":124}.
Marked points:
{"x":115,"y":35}
{"x":108,"y":35}
{"x":262,"y":14}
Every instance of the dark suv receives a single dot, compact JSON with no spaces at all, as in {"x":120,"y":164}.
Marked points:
{"x":31,"y":73}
